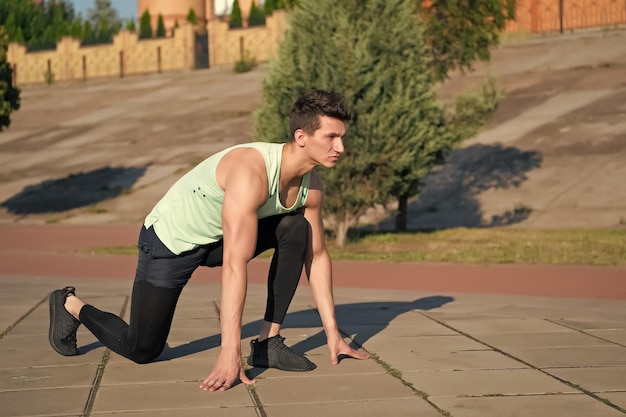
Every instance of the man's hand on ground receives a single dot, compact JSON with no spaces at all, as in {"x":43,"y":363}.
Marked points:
{"x":337,"y":346}
{"x":225,"y":373}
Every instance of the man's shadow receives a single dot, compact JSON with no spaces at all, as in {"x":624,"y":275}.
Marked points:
{"x":364,"y":319}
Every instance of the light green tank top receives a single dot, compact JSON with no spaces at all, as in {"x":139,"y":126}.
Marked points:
{"x":190,"y":213}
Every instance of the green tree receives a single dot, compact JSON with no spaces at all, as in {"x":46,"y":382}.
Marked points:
{"x":29,"y":22}
{"x":27,"y":16}
{"x":256,"y":18}
{"x":60,"y":24}
{"x":9,"y":95}
{"x":104,"y":33}
{"x":268,"y":7}
{"x":235,"y":20}
{"x":398,"y":131}
{"x":103,"y":10}
{"x":461,"y":32}
{"x":76,"y":29}
{"x":191,"y":17}
{"x":160,"y":32}
{"x":36,"y":26}
{"x":145,"y":25}
{"x":10,"y":27}
{"x":472,"y":108}
{"x":130,"y":25}
{"x":19,"y":36}
{"x":88,"y":36}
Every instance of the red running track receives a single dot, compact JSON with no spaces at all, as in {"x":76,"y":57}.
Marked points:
{"x":63,"y":251}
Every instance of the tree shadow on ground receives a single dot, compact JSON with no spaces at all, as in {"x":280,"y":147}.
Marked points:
{"x":73,"y":191}
{"x":450,"y":195}
{"x":364,"y":320}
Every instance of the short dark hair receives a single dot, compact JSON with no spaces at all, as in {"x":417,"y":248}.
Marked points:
{"x":307,"y":109}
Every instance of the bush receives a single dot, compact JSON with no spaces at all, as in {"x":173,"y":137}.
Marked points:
{"x":160,"y":32}
{"x":256,"y":18}
{"x":236,"y":20}
{"x":472,"y":108}
{"x":145,"y":26}
{"x":246,"y":63}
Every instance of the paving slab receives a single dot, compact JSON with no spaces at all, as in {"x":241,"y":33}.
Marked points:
{"x":600,"y":379}
{"x":527,"y":406}
{"x":414,"y":361}
{"x":490,"y":382}
{"x":617,"y":398}
{"x":163,"y":395}
{"x":572,"y":356}
{"x":46,"y":402}
{"x":466,"y":353}
{"x":369,"y":408}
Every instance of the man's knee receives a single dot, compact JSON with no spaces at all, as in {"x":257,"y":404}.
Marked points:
{"x":294,"y":229}
{"x":145,"y":356}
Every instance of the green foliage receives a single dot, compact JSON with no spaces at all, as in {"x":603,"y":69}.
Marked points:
{"x":130,"y":25}
{"x":398,"y":131}
{"x":19,"y":36}
{"x":256,"y":18}
{"x":473,"y":108}
{"x":76,"y":29}
{"x":460,"y":32}
{"x":103,"y":10}
{"x":145,"y":25}
{"x":160,"y":32}
{"x":48,"y":77}
{"x":191,"y":17}
{"x":246,"y":63}
{"x":9,"y":95}
{"x":88,"y":36}
{"x":12,"y":29}
{"x":268,"y":7}
{"x":235,"y":20}
{"x":42,"y":26}
{"x":10,"y":26}
{"x":104,"y":34}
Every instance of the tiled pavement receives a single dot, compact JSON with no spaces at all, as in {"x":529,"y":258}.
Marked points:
{"x":460,"y":355}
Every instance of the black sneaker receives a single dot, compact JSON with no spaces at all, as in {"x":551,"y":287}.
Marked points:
{"x":273,"y":353}
{"x":63,"y":326}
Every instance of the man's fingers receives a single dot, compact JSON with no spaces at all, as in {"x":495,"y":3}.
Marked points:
{"x":212,"y":384}
{"x":358,"y":355}
{"x":334,"y":359}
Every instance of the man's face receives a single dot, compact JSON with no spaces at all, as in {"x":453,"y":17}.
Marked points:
{"x":326,"y":143}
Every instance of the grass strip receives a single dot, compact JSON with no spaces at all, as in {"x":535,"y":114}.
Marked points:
{"x":596,"y":247}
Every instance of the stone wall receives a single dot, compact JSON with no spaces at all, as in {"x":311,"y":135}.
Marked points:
{"x":226,"y":46}
{"x":127,"y":55}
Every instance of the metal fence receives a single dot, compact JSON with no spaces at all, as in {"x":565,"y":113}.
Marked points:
{"x":538,"y":16}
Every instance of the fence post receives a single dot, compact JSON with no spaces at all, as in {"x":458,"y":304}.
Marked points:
{"x":48,"y":76}
{"x":14,"y":78}
{"x":561,"y":16}
{"x":84,"y":68}
{"x":241,"y":48}
{"x":159,"y":59}
{"x":121,"y":64}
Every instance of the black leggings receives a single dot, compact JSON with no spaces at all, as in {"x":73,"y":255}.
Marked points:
{"x":161,"y":276}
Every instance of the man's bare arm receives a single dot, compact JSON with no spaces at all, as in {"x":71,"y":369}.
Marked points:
{"x":319,"y":270}
{"x":242,"y":175}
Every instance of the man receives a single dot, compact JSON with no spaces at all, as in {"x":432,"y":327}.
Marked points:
{"x":230,"y":208}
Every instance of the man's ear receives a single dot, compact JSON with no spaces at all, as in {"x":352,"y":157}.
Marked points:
{"x":299,"y":137}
